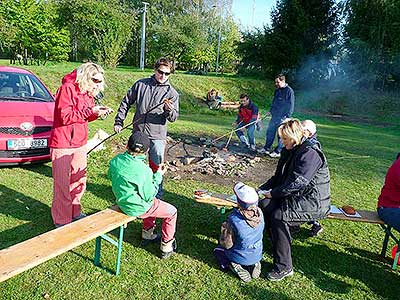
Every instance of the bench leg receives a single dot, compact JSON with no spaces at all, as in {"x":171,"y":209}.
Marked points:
{"x":120,"y":240}
{"x":386,"y":239}
{"x":97,"y":251}
{"x":118,"y":244}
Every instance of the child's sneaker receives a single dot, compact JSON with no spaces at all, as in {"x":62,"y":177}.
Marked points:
{"x":256,"y":272}
{"x":241,"y":272}
{"x":167,"y":248}
{"x":316,"y":229}
{"x":149,"y":236}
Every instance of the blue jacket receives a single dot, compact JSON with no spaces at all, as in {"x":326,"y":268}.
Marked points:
{"x":283,"y":103}
{"x":248,"y":245}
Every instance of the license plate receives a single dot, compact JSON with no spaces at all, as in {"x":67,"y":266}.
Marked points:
{"x":19,"y":144}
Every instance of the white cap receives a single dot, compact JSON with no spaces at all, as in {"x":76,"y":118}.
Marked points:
{"x":310,"y":126}
{"x":246,"y":195}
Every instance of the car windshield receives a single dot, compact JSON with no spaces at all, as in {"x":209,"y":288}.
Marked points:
{"x":22,"y":87}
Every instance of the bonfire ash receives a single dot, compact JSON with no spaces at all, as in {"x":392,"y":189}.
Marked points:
{"x":213,"y":161}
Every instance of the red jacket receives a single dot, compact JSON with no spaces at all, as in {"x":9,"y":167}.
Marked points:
{"x":72,"y":112}
{"x":390,"y":193}
{"x":247,"y":113}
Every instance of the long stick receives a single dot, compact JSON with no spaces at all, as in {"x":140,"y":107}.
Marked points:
{"x":240,"y":128}
{"x":132,"y":123}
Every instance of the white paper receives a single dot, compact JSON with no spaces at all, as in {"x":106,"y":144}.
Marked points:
{"x":335,"y":210}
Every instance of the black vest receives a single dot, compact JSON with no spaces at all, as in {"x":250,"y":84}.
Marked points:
{"x":312,"y":202}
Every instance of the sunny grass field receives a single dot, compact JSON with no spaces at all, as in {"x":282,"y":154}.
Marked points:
{"x":342,"y":263}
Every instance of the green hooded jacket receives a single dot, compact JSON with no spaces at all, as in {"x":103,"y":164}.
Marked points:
{"x":133,"y":183}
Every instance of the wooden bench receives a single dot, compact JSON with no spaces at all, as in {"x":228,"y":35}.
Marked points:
{"x":28,"y":254}
{"x":372,"y":217}
{"x":221,"y":202}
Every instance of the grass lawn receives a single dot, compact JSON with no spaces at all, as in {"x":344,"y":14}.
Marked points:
{"x":342,"y":263}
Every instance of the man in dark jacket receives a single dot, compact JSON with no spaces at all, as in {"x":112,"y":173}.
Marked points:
{"x":156,"y":102}
{"x":298,"y":192}
{"x":282,"y":107}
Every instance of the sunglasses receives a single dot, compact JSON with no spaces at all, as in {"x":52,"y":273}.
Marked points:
{"x":95,"y":80}
{"x":163,"y":73}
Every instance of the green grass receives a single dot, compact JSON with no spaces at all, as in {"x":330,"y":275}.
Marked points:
{"x":342,"y":263}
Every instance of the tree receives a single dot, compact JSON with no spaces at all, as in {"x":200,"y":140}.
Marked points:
{"x":372,"y":42}
{"x":98,"y":29}
{"x":300,"y":29}
{"x":33,"y":31}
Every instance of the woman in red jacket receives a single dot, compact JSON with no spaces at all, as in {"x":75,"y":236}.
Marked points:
{"x":74,"y":108}
{"x":389,"y":199}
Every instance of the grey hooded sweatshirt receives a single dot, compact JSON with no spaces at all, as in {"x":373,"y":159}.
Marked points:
{"x":146,"y":94}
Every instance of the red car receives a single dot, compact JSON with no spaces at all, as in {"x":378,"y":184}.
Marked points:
{"x":26,"y":117}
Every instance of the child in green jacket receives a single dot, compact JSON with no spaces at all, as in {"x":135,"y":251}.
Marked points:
{"x":135,"y":187}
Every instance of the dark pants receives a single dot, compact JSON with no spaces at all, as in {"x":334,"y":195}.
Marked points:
{"x":390,"y":216}
{"x":222,"y":259}
{"x":280,"y":234}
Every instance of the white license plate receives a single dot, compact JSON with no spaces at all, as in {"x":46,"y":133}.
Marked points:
{"x":19,"y":144}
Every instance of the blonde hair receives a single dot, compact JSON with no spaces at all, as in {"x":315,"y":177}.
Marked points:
{"x":84,"y":75}
{"x":291,"y":129}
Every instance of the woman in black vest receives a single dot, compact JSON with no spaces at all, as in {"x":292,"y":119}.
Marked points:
{"x":298,"y":192}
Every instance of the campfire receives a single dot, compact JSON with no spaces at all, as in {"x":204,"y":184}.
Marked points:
{"x":209,"y":160}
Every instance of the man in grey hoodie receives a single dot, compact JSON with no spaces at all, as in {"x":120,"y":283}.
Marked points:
{"x":156,"y":101}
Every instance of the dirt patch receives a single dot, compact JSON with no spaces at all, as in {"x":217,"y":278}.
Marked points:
{"x":194,"y":158}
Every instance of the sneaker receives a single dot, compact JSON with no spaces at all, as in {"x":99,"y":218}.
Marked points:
{"x":168,"y":248}
{"x":316,"y":229}
{"x":241,"y":272}
{"x":149,"y":236}
{"x":274,"y":155}
{"x":294,"y":229}
{"x":256,"y":272}
{"x":275,"y":275}
{"x":81,"y":216}
{"x":263,"y":151}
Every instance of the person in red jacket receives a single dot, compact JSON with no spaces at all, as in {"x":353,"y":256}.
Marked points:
{"x":247,"y":116}
{"x":389,"y":199}
{"x":74,"y":108}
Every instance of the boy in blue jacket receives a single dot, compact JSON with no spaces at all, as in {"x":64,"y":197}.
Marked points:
{"x":241,"y":236}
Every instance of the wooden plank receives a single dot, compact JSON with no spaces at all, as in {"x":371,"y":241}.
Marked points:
{"x":28,"y":254}
{"x":216,"y":199}
{"x":220,"y":200}
{"x":367,"y":216}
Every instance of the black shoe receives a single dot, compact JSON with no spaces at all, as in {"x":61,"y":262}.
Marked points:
{"x":275,"y":275}
{"x":241,"y":272}
{"x":145,"y":242}
{"x":294,"y":229}
{"x":316,"y":229}
{"x":256,"y":272}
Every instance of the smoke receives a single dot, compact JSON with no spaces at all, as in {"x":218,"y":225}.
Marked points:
{"x":336,"y":86}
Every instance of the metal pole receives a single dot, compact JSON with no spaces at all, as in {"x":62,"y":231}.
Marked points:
{"x":219,"y":44}
{"x":143,"y":35}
